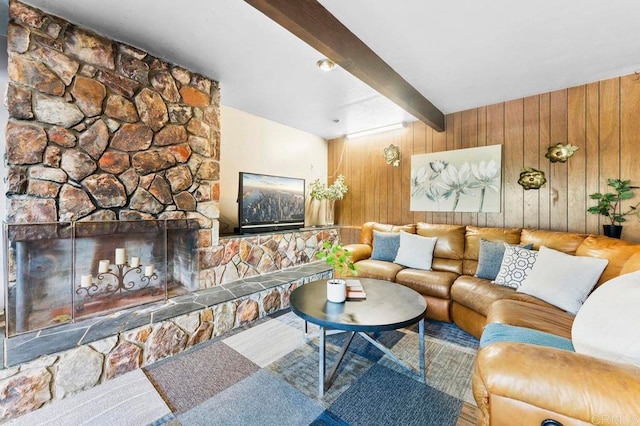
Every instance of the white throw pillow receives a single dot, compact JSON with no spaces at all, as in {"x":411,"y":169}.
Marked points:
{"x":415,"y":251}
{"x":561,"y":279}
{"x":604,"y":326}
{"x":516,"y":264}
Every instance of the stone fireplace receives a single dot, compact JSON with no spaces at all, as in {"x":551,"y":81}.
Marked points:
{"x":102,"y":135}
{"x":100,"y":130}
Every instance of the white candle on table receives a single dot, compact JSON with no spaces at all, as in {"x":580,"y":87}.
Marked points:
{"x":148,"y":271}
{"x":135,"y":262}
{"x":86,"y":280}
{"x":104,"y":266}
{"x":121,"y":256}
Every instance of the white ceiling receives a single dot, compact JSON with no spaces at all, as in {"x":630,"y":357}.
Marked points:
{"x":459,"y":54}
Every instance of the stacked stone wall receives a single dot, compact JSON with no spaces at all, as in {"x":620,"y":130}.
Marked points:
{"x":100,"y":130}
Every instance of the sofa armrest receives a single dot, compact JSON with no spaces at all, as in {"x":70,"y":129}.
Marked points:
{"x":359,"y":251}
{"x":516,"y":380}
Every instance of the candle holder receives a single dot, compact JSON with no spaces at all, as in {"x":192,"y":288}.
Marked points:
{"x":120,"y":285}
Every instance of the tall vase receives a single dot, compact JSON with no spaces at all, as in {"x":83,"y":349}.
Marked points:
{"x":329,"y":212}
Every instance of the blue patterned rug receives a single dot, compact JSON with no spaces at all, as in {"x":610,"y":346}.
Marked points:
{"x":268,"y":375}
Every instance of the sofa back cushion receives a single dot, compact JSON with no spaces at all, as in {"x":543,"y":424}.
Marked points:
{"x":566,"y":242}
{"x":631,"y":265}
{"x":366,"y":233}
{"x":617,"y":252}
{"x":472,"y":238}
{"x":449,"y":250}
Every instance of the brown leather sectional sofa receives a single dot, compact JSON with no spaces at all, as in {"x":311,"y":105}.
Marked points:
{"x":516,"y":383}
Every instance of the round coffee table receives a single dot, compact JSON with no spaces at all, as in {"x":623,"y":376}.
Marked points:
{"x":388,"y":306}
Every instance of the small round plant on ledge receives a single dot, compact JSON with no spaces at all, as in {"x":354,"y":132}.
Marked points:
{"x":339,"y":259}
{"x":609,"y":205}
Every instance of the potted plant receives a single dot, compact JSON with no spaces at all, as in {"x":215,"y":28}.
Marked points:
{"x":609,"y":205}
{"x":320,"y":191}
{"x":339,"y":259}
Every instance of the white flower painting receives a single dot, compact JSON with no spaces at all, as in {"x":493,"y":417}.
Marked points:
{"x":463,"y":180}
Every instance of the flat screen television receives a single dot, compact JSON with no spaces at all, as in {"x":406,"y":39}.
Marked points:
{"x":269,"y":203}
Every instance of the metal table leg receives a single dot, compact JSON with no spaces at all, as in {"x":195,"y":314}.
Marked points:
{"x":421,"y":344}
{"x":321,"y":361}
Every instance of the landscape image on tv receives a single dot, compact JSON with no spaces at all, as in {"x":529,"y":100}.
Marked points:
{"x":271,"y":199}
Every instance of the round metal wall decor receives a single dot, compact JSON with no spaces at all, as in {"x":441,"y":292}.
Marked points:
{"x":531,"y":178}
{"x":392,"y":155}
{"x":560,"y":153}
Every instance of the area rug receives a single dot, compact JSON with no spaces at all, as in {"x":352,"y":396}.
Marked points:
{"x":268,"y":375}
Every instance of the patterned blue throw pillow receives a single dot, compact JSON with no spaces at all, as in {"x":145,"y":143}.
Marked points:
{"x":385,"y":245}
{"x":516,"y":265}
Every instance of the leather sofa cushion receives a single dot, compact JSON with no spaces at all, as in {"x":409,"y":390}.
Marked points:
{"x":450,"y":243}
{"x":449,"y":250}
{"x":447,"y":265}
{"x":571,"y":388}
{"x":562,"y":241}
{"x":472,"y":238}
{"x":478,"y":294}
{"x":631,"y":265}
{"x":524,"y":314}
{"x":474,"y":234}
{"x":428,"y":283}
{"x":616,"y":251}
{"x":358,"y":251}
{"x":438,"y":309}
{"x":366,"y":233}
{"x":378,"y":269}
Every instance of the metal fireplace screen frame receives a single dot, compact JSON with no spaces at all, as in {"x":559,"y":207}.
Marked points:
{"x":57,"y":273}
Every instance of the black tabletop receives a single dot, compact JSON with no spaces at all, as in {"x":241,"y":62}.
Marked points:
{"x":388,"y":306}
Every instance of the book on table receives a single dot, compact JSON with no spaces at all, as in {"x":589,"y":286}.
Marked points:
{"x":355,"y":290}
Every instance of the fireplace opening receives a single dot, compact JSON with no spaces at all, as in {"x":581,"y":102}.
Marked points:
{"x":62,"y":272}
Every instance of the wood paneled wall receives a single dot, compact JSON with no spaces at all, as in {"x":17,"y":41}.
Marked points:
{"x":602,"y":119}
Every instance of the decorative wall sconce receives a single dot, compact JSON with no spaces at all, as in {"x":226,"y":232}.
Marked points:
{"x":531,"y":178}
{"x":560,"y":153}
{"x":392,"y":155}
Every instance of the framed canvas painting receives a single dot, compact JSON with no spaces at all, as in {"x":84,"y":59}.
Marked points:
{"x":462,"y":180}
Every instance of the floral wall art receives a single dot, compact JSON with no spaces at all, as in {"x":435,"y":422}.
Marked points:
{"x":463,"y":180}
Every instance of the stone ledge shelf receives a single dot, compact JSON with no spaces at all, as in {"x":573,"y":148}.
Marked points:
{"x":259,"y":289}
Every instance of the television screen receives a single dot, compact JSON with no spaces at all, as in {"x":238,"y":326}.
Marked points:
{"x":269,"y":203}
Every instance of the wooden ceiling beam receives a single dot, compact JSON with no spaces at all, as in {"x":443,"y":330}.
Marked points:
{"x":315,"y":25}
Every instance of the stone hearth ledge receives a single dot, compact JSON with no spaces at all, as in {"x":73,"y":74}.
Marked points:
{"x":47,"y":365}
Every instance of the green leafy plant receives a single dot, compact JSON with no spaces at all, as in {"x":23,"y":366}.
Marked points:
{"x":609,"y":204}
{"x":335,"y":191}
{"x":337,"y":257}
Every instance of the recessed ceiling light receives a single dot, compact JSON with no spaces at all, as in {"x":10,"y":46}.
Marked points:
{"x":326,"y":64}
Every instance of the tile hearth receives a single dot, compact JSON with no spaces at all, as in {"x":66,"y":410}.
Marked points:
{"x":30,"y":346}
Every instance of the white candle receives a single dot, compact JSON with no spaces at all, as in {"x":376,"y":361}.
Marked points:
{"x":121,"y":256}
{"x":86,"y":280}
{"x":148,"y":271}
{"x":135,"y":262}
{"x":104,"y":266}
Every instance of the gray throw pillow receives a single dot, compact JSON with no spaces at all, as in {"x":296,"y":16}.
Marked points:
{"x":385,"y":245}
{"x":490,"y":258}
